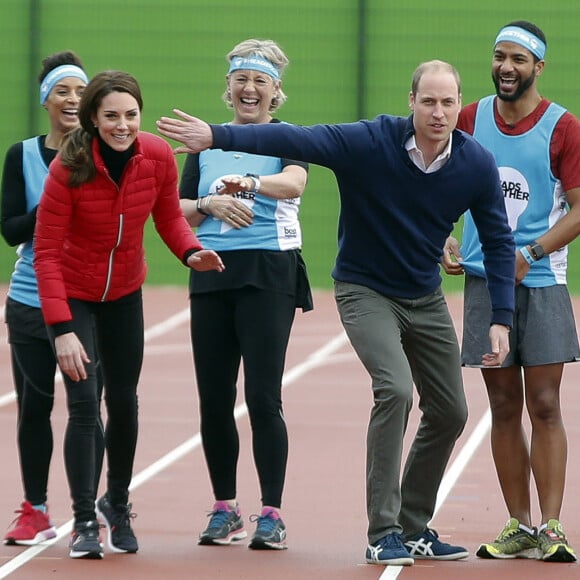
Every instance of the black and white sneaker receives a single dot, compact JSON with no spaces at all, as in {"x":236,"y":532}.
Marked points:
{"x":428,"y":546}
{"x":85,"y":541}
{"x":117,"y":520}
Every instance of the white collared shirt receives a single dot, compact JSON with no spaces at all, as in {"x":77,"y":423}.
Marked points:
{"x":416,"y":155}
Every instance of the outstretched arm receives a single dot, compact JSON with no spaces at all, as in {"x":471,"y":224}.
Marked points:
{"x":193,"y":133}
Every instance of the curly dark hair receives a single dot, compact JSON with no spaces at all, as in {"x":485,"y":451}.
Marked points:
{"x":57,"y":59}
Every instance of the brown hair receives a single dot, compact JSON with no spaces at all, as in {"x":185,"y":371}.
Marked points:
{"x":76,"y":150}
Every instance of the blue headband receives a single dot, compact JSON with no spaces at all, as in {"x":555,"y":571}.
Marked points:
{"x":524,"y":38}
{"x":56,"y":75}
{"x":254,"y":62}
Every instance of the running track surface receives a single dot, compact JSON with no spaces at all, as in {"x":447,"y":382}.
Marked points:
{"x":327,"y":400}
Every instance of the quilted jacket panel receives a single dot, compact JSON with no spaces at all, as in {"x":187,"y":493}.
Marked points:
{"x":89,"y":239}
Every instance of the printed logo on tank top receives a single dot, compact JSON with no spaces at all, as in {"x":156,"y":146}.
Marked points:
{"x":516,"y":192}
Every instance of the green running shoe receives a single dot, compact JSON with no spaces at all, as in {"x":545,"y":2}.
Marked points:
{"x":512,"y":542}
{"x":554,"y":545}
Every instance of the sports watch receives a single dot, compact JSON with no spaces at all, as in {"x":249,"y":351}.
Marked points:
{"x":537,"y":251}
{"x":256,"y":179}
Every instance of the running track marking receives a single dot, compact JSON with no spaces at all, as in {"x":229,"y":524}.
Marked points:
{"x":316,"y":359}
{"x":452,"y":475}
{"x":152,"y":332}
{"x":11,"y":396}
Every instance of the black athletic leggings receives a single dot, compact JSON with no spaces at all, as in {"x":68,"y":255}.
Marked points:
{"x":253,"y":326}
{"x":33,"y":371}
{"x":116,"y":329}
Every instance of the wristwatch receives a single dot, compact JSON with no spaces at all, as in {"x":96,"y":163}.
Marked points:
{"x":256,"y":179}
{"x":537,"y":251}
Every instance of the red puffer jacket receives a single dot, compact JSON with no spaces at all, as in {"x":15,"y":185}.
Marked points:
{"x":89,"y":239}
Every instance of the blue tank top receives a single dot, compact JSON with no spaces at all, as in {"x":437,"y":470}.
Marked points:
{"x":23,"y":285}
{"x":275,"y":226}
{"x":534,"y":197}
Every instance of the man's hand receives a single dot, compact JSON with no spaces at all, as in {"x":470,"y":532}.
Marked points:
{"x":499,"y":338}
{"x":194,"y":133}
{"x":451,"y":260}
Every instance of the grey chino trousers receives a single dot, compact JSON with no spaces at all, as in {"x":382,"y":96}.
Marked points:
{"x":401,"y":342}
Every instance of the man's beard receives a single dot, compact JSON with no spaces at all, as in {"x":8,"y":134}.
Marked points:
{"x":523,"y":86}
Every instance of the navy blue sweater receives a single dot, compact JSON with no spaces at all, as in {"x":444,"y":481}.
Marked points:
{"x":394,"y":218}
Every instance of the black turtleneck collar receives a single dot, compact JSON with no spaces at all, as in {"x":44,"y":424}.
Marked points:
{"x":115,"y":161}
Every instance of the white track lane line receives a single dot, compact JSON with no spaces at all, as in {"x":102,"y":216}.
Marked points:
{"x":316,"y":359}
{"x":452,"y":475}
{"x":8,"y":399}
{"x":150,"y":333}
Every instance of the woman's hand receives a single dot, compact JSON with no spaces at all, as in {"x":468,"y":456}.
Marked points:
{"x":71,"y":356}
{"x":235,"y":183}
{"x":205,"y":260}
{"x":230,"y":210}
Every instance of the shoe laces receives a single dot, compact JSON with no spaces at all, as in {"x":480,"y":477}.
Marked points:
{"x":88,"y":529}
{"x":430,"y":535}
{"x":121,"y":518}
{"x":20,"y":519}
{"x":390,"y":541}
{"x":507,"y":533}
{"x":266,"y":522}
{"x":25,"y":515}
{"x":218,"y":518}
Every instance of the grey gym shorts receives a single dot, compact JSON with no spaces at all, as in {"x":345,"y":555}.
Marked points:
{"x":544,"y":330}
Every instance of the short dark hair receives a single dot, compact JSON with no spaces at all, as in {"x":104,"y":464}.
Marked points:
{"x":530,"y":27}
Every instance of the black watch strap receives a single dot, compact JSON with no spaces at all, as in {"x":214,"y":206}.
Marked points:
{"x":537,"y":251}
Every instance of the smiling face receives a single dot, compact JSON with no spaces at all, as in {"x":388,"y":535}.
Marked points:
{"x":435,"y":105}
{"x":251,"y":95}
{"x":513,"y":71}
{"x":117,"y":120}
{"x":62,"y":104}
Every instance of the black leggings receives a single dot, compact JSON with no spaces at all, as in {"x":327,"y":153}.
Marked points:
{"x":33,"y":371}
{"x":252,"y":325}
{"x":116,"y":330}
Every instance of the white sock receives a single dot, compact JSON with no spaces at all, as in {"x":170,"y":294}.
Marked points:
{"x":527,"y":529}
